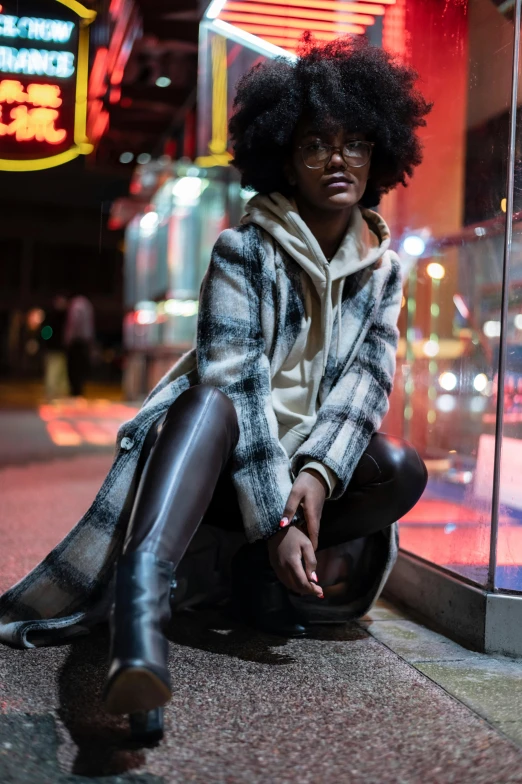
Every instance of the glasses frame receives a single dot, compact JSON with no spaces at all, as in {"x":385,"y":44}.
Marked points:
{"x":333,"y":149}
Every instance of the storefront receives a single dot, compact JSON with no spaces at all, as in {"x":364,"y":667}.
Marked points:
{"x":458,"y":392}
{"x":458,"y":230}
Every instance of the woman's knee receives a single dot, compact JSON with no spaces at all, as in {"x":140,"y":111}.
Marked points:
{"x":399,"y":462}
{"x":206,"y":396}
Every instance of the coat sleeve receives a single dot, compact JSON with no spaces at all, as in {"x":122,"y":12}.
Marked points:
{"x":357,"y":403}
{"x":231,"y":356}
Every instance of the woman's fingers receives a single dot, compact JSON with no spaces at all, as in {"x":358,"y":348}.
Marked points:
{"x":310,"y":566}
{"x":292,"y":505}
{"x":304,"y":586}
{"x":312,"y":513}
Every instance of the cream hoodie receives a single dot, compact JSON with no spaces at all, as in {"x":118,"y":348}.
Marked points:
{"x":295,"y":387}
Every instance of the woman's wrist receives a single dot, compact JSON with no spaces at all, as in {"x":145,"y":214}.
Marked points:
{"x":319,"y":476}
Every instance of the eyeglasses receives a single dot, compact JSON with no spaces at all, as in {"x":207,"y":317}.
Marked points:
{"x":317,"y":155}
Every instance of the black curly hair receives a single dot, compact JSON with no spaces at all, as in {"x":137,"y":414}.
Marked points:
{"x":347,"y":83}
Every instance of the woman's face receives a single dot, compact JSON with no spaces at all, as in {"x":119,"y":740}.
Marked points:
{"x":336,"y":184}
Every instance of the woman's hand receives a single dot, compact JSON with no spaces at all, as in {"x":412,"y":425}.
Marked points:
{"x":292,"y":558}
{"x":292,"y":552}
{"x":309,"y":491}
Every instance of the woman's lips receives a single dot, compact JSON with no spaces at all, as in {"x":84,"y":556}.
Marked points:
{"x":339,"y":185}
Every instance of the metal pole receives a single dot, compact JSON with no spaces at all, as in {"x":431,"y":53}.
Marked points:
{"x":508,"y":237}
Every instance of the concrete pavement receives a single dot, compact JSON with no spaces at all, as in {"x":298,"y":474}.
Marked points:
{"x":248,"y":708}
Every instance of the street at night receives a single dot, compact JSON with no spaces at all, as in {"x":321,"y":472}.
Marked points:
{"x":260,"y":392}
{"x":246,"y":707}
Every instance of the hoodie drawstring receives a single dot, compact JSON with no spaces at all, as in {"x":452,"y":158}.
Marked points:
{"x":339,"y":320}
{"x":327,"y":317}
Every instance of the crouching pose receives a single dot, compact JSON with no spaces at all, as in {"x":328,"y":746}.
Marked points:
{"x":270,"y":425}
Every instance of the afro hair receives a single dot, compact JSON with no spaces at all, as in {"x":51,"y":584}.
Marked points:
{"x":346,"y":83}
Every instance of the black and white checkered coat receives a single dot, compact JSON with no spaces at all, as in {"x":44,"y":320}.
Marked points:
{"x":251,"y":308}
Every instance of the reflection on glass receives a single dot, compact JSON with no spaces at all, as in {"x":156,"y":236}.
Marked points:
{"x":450,"y":227}
{"x":509,"y":543}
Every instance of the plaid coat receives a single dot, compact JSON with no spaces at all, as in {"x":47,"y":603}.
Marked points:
{"x":251,"y":307}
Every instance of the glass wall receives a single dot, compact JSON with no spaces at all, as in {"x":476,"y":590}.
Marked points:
{"x":508,"y":575}
{"x":450,"y":228}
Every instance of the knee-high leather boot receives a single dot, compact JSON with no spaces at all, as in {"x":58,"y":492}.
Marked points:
{"x":193,"y":446}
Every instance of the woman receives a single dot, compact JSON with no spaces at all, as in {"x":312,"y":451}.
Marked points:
{"x":270,"y":423}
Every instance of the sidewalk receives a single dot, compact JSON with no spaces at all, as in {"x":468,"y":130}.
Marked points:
{"x":382,"y":701}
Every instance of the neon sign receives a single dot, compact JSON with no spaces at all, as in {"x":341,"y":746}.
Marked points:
{"x":35,"y":29}
{"x":27,"y":123}
{"x":43,"y":83}
{"x":39,"y":62}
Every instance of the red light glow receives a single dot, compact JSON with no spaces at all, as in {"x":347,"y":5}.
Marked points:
{"x":298,"y":24}
{"x":306,"y":10}
{"x":289,"y":33}
{"x":95,"y":422}
{"x":282,"y":22}
{"x":357,"y":13}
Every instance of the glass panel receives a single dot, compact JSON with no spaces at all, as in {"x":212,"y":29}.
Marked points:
{"x":509,"y":543}
{"x":449,"y":225}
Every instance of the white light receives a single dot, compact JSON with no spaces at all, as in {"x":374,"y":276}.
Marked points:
{"x":143,"y":157}
{"x":163,"y":81}
{"x":252,"y":41}
{"x":187,"y":190}
{"x":181,"y":307}
{"x":414,"y":245}
{"x":480,"y":231}
{"x":215,"y":8}
{"x":461,"y":306}
{"x":480,"y":382}
{"x":145,"y":311}
{"x":446,"y":403}
{"x":448,"y":381}
{"x":435,"y":270}
{"x":492,"y":329}
{"x":145,"y":317}
{"x":478,"y":404}
{"x":149,"y":222}
{"x":518,"y":321}
{"x":126,"y":157}
{"x":431,"y":348}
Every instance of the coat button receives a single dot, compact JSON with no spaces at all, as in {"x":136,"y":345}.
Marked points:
{"x":126,"y":443}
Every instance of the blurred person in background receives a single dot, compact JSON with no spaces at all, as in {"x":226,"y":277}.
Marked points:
{"x":79,"y":341}
{"x":56,"y":379}
{"x":269,"y":427}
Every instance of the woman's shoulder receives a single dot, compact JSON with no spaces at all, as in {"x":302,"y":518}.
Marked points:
{"x":244,"y":239}
{"x":242,"y":244}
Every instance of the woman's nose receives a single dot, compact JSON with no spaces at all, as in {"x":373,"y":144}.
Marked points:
{"x":337,"y":160}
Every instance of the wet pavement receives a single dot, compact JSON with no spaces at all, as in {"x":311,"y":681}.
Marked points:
{"x":357,"y":703}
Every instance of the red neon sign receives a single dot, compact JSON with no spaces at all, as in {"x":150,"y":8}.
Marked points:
{"x":281,"y":22}
{"x":38,"y":123}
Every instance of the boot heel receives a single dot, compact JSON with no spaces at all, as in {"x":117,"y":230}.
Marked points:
{"x":136,"y":690}
{"x":147,"y":727}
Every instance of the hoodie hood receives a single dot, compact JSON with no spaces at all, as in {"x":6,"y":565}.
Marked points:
{"x":365,"y":241}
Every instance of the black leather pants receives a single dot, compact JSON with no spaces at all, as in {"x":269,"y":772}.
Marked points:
{"x":185,"y":481}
